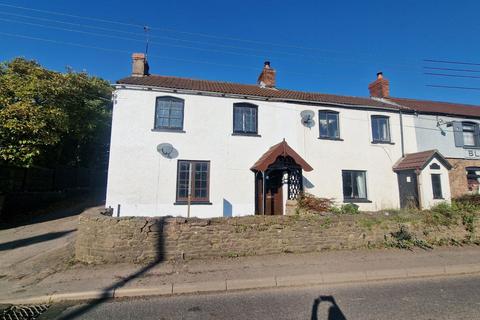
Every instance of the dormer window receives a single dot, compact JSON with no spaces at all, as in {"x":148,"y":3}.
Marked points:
{"x":245,"y":119}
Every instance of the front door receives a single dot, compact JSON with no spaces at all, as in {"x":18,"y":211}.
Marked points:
{"x":407,"y":185}
{"x":274,"y":193}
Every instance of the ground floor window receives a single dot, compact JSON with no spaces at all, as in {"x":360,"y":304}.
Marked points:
{"x":193,"y":177}
{"x":437,"y":186}
{"x":473,"y":179}
{"x":354,"y":185}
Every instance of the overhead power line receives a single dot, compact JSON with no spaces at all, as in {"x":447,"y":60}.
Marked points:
{"x":155,"y":28}
{"x":75,"y":44}
{"x":451,"y":75}
{"x":196,"y":34}
{"x":150,"y":55}
{"x":452,"y":87}
{"x":452,"y":69}
{"x":131,"y":39}
{"x":197,"y":48}
{"x":452,"y":62}
{"x":140,"y":34}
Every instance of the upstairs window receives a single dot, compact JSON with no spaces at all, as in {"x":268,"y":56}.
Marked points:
{"x":193,"y":177}
{"x":470,"y":134}
{"x":329,"y":124}
{"x":380,"y":129}
{"x":466,"y":134}
{"x":354,"y":185}
{"x":169,"y":113}
{"x":245,"y":118}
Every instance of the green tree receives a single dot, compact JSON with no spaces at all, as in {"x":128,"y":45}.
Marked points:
{"x":49,"y":118}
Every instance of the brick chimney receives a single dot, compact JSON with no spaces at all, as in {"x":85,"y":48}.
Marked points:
{"x":266,"y":79}
{"x":139,"y":65}
{"x":379,"y":88}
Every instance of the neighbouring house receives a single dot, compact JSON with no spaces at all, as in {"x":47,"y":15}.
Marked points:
{"x":208,"y":148}
{"x":452,"y":129}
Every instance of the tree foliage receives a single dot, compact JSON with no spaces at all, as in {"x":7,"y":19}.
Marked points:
{"x":52,"y":118}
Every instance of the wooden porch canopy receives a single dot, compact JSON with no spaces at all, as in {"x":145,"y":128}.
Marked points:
{"x":280,"y":149}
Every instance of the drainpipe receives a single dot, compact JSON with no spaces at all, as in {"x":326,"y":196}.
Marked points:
{"x":263,"y":192}
{"x":401,"y":134}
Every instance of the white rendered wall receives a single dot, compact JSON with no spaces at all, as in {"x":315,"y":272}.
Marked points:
{"x":144,"y":183}
{"x":429,"y":136}
{"x":426,"y":190}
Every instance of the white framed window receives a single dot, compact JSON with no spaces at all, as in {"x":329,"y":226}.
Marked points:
{"x":245,"y":118}
{"x":380,"y":129}
{"x":470,"y":134}
{"x":354,"y":185}
{"x":329,"y":124}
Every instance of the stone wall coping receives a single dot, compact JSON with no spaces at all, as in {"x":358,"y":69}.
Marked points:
{"x":228,"y":220}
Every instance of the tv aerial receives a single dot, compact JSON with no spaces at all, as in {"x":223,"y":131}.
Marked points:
{"x":307,"y":118}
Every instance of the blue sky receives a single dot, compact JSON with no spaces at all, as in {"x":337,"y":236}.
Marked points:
{"x":323,"y":46}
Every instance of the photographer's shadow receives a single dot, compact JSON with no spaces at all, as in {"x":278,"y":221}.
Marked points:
{"x":334,"y":312}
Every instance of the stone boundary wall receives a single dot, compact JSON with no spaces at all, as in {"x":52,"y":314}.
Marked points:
{"x":103,"y":239}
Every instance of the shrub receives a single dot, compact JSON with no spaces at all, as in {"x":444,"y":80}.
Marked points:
{"x":446,"y":209}
{"x":349,"y":208}
{"x":310,"y":203}
{"x":471,"y":199}
{"x":468,"y":203}
{"x":404,"y":239}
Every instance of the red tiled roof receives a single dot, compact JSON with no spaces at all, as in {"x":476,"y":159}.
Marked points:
{"x":256,"y":91}
{"x":439,"y":107}
{"x":280,"y":149}
{"x":418,"y":160}
{"x":250,"y":90}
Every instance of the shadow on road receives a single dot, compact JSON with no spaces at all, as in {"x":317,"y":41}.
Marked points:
{"x":32,"y":240}
{"x":107,"y":292}
{"x":334,"y":312}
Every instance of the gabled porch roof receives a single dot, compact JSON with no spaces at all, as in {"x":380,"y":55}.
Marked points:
{"x":419,"y":160}
{"x":280,"y":149}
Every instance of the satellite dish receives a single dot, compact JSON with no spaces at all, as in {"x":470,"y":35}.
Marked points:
{"x":307,"y":118}
{"x":167,"y":150}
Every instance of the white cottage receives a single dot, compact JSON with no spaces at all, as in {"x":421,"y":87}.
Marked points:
{"x":209,"y":149}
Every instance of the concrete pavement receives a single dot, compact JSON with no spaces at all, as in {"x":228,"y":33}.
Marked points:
{"x":116,"y":281}
{"x":427,"y":298}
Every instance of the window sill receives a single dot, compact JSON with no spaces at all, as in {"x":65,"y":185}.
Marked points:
{"x":438,"y":198}
{"x":357,"y":201}
{"x":333,"y":139}
{"x":184,"y":203}
{"x":246,"y":134}
{"x":471,"y":147}
{"x":383,"y":142}
{"x":168,"y":130}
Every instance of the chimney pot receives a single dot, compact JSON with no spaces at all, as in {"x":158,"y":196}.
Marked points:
{"x":380,"y":88}
{"x":267,"y":77}
{"x":139,"y":65}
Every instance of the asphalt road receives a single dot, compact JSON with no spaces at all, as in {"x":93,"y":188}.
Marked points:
{"x":436,"y":298}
